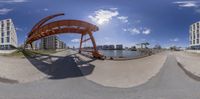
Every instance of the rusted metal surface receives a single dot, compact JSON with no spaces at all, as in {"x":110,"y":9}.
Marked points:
{"x":43,"y":29}
{"x":62,"y":26}
{"x":40,"y":23}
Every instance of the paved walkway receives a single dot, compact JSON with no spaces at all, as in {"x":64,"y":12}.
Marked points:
{"x":170,"y":83}
{"x":24,"y":70}
{"x":18,"y":70}
{"x":125,"y":74}
{"x":190,"y":62}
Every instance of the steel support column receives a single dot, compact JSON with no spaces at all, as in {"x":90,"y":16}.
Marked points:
{"x":93,"y":41}
{"x":81,"y":42}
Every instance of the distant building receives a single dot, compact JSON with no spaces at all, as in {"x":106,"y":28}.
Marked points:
{"x":108,"y":47}
{"x":52,"y":42}
{"x":157,"y":46}
{"x":194,"y":36}
{"x":126,"y":48}
{"x":111,"y":47}
{"x":34,"y":45}
{"x":49,"y":42}
{"x":8,"y":36}
{"x":119,"y":47}
{"x":99,"y":47}
{"x":133,"y":48}
{"x":105,"y":47}
{"x":60,"y":44}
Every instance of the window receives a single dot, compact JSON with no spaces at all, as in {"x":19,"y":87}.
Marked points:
{"x":2,"y":24}
{"x":8,"y":39}
{"x":2,"y":40}
{"x":193,"y":41}
{"x":8,"y":21}
{"x":194,"y":27}
{"x":8,"y":33}
{"x":8,"y":28}
{"x":2,"y":34}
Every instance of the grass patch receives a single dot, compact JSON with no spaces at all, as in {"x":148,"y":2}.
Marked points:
{"x":45,"y":51}
{"x":30,"y":53}
{"x":17,"y":53}
{"x":33,"y":53}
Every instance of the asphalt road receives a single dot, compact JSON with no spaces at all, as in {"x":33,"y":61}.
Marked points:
{"x":170,"y":83}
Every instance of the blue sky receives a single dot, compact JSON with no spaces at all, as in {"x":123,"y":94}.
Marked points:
{"x":127,"y":22}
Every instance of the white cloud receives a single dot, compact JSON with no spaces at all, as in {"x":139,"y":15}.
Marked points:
{"x":174,"y":40}
{"x":75,"y":40}
{"x":123,"y":18}
{"x":133,"y":31}
{"x":46,"y":9}
{"x":113,"y":8}
{"x":146,"y":31}
{"x":104,"y":16}
{"x":140,"y":30}
{"x":12,"y":1}
{"x":138,"y":21}
{"x":187,"y":4}
{"x":19,"y":29}
{"x":4,"y":11}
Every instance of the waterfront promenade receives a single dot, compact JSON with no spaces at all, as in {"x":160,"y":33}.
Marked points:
{"x":127,"y":73}
{"x":171,"y":82}
{"x":190,"y":63}
{"x":18,"y":70}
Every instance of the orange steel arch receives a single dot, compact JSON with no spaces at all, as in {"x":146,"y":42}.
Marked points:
{"x":40,"y":23}
{"x":41,"y":30}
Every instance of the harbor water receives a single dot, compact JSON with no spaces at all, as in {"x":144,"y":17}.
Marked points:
{"x":120,"y":53}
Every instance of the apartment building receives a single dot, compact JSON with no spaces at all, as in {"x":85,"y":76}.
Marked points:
{"x":8,"y":36}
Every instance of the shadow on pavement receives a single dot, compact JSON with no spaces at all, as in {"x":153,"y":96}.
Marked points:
{"x":61,"y":68}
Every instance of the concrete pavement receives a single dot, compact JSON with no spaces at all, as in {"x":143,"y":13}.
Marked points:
{"x":25,"y":70}
{"x":189,"y":62}
{"x":19,"y":70}
{"x":170,"y":83}
{"x":125,"y":74}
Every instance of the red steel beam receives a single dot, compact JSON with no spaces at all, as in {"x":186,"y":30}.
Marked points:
{"x":86,"y":40}
{"x":54,"y":32}
{"x":62,"y":26}
{"x":41,"y":30}
{"x":44,"y":20}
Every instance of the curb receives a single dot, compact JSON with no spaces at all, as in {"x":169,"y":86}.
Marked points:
{"x":190,"y":74}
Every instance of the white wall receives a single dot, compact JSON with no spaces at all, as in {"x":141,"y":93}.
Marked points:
{"x":193,"y":51}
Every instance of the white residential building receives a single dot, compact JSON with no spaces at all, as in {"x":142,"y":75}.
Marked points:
{"x":60,"y":44}
{"x":52,"y":42}
{"x":49,"y":42}
{"x":194,"y":36}
{"x":8,"y":36}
